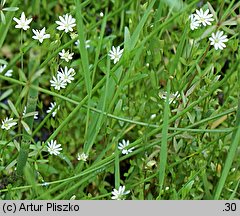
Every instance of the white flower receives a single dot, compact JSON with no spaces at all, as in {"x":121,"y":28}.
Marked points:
{"x":22,"y":23}
{"x":122,"y":146}
{"x":58,"y":83}
{"x":73,"y":197}
{"x":35,"y":115}
{"x":8,"y":123}
{"x":218,"y":39}
{"x":66,"y":23}
{"x":45,"y":184}
{"x":195,"y":23}
{"x":203,"y":17}
{"x":115,"y":54}
{"x":66,"y":75}
{"x":8,"y":73}
{"x":53,"y":147}
{"x":73,"y":35}
{"x":52,"y":107}
{"x":66,"y":55}
{"x":153,"y":116}
{"x":120,"y":193}
{"x":87,"y":43}
{"x":24,"y":111}
{"x":82,"y":157}
{"x":40,"y":35}
{"x":172,"y":97}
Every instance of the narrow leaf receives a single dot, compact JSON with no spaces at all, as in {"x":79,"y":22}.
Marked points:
{"x":3,"y":18}
{"x":213,"y":12}
{"x":26,"y":127}
{"x":22,"y":75}
{"x":13,"y":108}
{"x":6,"y":94}
{"x":10,"y":9}
{"x":126,"y":39}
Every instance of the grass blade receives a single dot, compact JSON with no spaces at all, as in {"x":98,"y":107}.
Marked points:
{"x":164,"y":142}
{"x":230,"y":157}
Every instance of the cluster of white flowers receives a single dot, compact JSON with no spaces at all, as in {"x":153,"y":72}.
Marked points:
{"x":63,"y":78}
{"x":54,"y":149}
{"x":66,"y":23}
{"x":23,"y":23}
{"x":204,"y":18}
{"x":200,"y":18}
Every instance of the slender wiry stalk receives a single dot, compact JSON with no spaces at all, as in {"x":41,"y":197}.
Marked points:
{"x":21,"y":50}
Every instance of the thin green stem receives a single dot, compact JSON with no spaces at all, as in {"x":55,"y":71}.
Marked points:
{"x":21,"y":51}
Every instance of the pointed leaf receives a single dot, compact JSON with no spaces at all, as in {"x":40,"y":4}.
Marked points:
{"x":3,"y":18}
{"x":22,"y":75}
{"x":3,"y":2}
{"x":10,"y":9}
{"x":4,"y":106}
{"x":16,"y":144}
{"x":6,"y":94}
{"x":9,"y":166}
{"x":213,"y":12}
{"x":26,"y":127}
{"x":126,"y":39}
{"x":13,"y":108}
{"x":2,"y":61}
{"x":37,"y":74}
{"x":30,"y":114}
{"x":24,"y":91}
